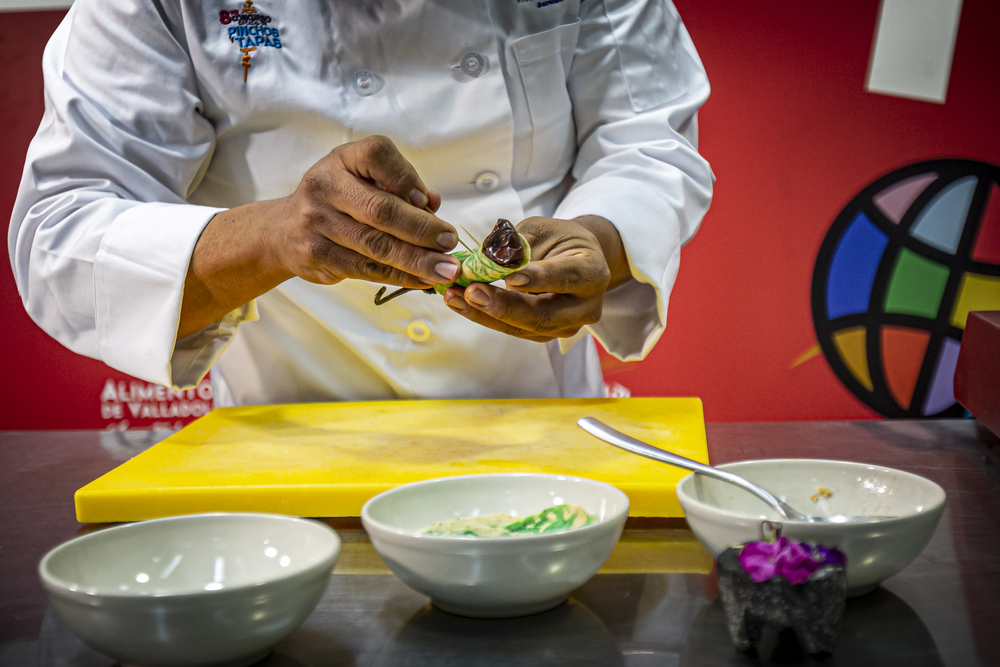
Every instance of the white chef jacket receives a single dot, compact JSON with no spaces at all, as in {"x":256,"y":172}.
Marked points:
{"x":508,"y":108}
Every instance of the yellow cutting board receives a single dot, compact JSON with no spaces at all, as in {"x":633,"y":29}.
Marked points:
{"x":327,"y":459}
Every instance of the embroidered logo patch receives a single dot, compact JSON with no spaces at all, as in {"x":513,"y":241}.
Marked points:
{"x":251,"y":30}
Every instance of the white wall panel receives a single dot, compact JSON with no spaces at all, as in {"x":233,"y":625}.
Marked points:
{"x":913,"y":47}
{"x":32,"y":5}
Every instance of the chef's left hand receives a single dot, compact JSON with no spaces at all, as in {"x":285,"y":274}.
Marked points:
{"x":573,"y":263}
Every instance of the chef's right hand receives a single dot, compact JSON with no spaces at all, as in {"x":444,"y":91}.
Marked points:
{"x":358,"y":213}
{"x":363,"y":212}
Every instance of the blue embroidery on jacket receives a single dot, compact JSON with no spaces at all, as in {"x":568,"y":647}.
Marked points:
{"x":251,"y":29}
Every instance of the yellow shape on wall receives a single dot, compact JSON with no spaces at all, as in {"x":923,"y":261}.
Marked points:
{"x":977,"y":292}
{"x":851,"y":345}
{"x":812,"y":352}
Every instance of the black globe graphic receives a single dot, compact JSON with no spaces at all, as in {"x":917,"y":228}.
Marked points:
{"x":896,"y":277}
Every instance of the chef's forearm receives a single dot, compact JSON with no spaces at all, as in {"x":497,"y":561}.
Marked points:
{"x":233,"y":263}
{"x":611,"y":244}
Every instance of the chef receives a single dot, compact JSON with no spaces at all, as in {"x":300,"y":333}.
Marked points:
{"x":224,"y":185}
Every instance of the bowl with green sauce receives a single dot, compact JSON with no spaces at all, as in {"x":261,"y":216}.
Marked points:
{"x":499,"y":545}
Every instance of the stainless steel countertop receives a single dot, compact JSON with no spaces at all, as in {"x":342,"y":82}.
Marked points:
{"x":655,"y":604}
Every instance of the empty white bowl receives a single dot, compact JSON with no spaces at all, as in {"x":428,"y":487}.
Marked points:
{"x":201,"y":589}
{"x":494,"y":577}
{"x":722,"y":515}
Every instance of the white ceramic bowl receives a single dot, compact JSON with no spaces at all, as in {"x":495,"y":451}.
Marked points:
{"x":722,"y":515}
{"x":494,"y":577}
{"x":201,"y":589}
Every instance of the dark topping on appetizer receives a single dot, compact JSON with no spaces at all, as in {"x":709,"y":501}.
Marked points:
{"x":503,"y":245}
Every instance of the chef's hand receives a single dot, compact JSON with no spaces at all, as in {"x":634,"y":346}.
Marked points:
{"x":360,"y":212}
{"x":573,"y":263}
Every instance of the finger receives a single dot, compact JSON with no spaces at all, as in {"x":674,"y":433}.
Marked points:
{"x":333,"y":262}
{"x":458,"y":305}
{"x":384,"y":248}
{"x":577,"y":272}
{"x":384,"y":211}
{"x":435,"y":200}
{"x":543,"y":314}
{"x":376,"y":158}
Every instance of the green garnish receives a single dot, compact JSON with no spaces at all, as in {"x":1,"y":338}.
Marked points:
{"x":560,"y":517}
{"x":549,"y":520}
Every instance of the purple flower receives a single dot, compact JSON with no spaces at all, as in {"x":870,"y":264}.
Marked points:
{"x":788,"y":558}
{"x":828,"y":555}
{"x":757,"y":558}
{"x":794,"y":561}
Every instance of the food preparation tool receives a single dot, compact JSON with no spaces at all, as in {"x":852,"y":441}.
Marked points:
{"x":785,"y":511}
{"x":494,"y":577}
{"x":722,"y":515}
{"x":197,"y":590}
{"x":327,"y":459}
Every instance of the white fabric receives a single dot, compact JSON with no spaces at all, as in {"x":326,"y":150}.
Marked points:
{"x":149,"y":130}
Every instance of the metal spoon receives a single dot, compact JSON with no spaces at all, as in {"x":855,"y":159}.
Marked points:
{"x":607,"y":434}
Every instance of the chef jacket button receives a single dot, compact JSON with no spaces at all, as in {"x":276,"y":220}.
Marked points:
{"x":488,"y":181}
{"x":366,"y":83}
{"x":418,"y":331}
{"x":473,"y":64}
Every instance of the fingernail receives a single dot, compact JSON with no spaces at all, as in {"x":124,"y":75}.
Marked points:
{"x":428,"y":281}
{"x":418,"y":198}
{"x":446,"y":270}
{"x":517,"y":280}
{"x":447,"y":240}
{"x":478,"y":297}
{"x":458,"y":304}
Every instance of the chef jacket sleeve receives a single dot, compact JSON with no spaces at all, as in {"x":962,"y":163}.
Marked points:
{"x":100,"y":235}
{"x":636,"y":84}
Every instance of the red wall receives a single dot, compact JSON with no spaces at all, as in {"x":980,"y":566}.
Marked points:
{"x":42,"y":384}
{"x":792,"y":136}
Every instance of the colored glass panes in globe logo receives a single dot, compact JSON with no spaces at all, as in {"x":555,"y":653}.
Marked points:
{"x":896,"y":277}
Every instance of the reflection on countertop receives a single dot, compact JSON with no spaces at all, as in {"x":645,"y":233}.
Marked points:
{"x":878,"y":629}
{"x":570,"y":634}
{"x":648,"y":546}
